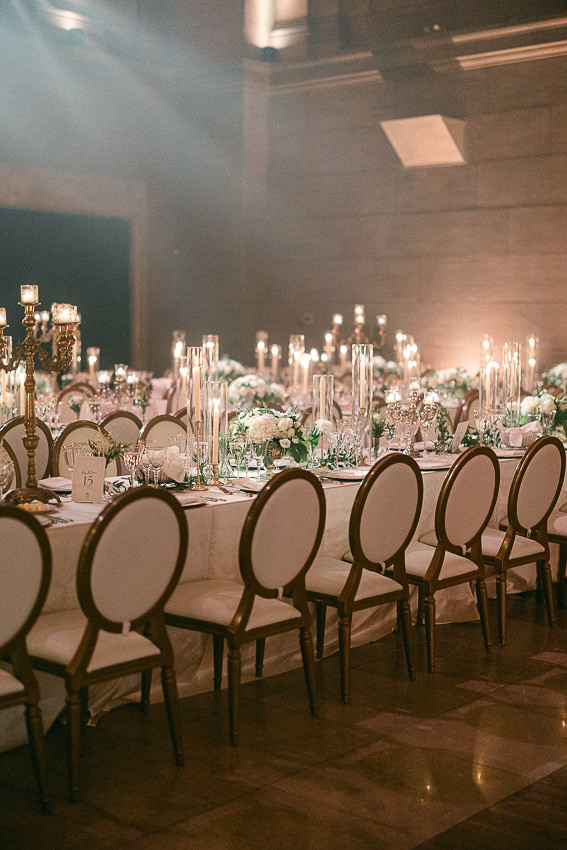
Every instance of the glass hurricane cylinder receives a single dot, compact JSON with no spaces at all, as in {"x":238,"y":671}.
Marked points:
{"x":296,"y":352}
{"x":177,"y":352}
{"x":261,"y":351}
{"x":361,"y":381}
{"x":210,"y":357}
{"x":93,"y":360}
{"x":488,"y":387}
{"x":215,"y":396}
{"x":275,"y":357}
{"x":512,"y":380}
{"x":322,"y":406}
{"x":195,"y":411}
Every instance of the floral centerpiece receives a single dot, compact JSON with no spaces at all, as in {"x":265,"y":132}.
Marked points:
{"x":104,"y":446}
{"x":557,"y":375}
{"x":282,"y":432}
{"x":384,"y":372}
{"x":451,"y":382}
{"x":250,"y":390}
{"x":229,"y":370}
{"x":551,"y":411}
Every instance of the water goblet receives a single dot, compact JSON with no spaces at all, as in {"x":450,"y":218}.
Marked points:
{"x":258,"y":448}
{"x":156,"y":456}
{"x":132,"y":460}
{"x":6,"y":474}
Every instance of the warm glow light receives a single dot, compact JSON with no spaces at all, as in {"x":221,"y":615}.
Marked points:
{"x":3,"y":319}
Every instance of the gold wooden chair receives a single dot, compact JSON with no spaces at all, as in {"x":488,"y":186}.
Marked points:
{"x":557,"y":533}
{"x":161,"y":428}
{"x":124,"y":427}
{"x":80,"y":431}
{"x":465,"y":411}
{"x":72,"y":393}
{"x":535,"y":489}
{"x":383,"y":520}
{"x":451,"y":554}
{"x":25,"y":573}
{"x":13,"y":433}
{"x":129,"y":564}
{"x":279,"y":540}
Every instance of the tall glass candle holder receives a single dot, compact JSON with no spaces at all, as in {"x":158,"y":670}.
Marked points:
{"x":93,"y":361}
{"x":530,"y":367}
{"x":488,"y":387}
{"x":486,"y":355}
{"x":210,"y":357}
{"x":261,"y":351}
{"x":275,"y":357}
{"x":215,"y":396}
{"x":195,"y":412}
{"x":296,"y":352}
{"x":322,"y":407}
{"x":361,"y":389}
{"x":512,"y":380}
{"x":177,"y":352}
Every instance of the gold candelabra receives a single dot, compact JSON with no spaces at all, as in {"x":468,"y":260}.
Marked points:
{"x":411,"y":416}
{"x":360,"y":334}
{"x":65,"y":318}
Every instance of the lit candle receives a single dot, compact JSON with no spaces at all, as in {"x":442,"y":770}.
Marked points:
{"x":29,"y":294}
{"x":275,"y":352}
{"x":343,"y":351}
{"x":305,"y":363}
{"x":261,"y":348}
{"x":216,"y":413}
{"x":338,"y":319}
{"x":183,"y":371}
{"x":322,"y":399}
{"x":3,"y":319}
{"x":197,"y":391}
{"x":362,"y":374}
{"x":414,"y":385}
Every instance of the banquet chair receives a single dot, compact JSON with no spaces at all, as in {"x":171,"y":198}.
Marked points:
{"x":73,"y":392}
{"x":451,"y":554}
{"x":9,"y":454}
{"x":533,"y":494}
{"x":465,"y":410}
{"x":181,"y":414}
{"x":175,"y":397}
{"x":161,"y":428}
{"x":124,"y":427}
{"x":13,"y":433}
{"x":383,"y":520}
{"x":25,"y":573}
{"x":307,"y":416}
{"x":80,"y":431}
{"x":557,"y":533}
{"x":279,"y":540}
{"x":126,"y":573}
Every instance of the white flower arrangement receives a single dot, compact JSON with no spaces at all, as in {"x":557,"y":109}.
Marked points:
{"x":229,"y":370}
{"x":281,"y":430}
{"x":556,"y":375}
{"x":250,"y":390}
{"x":532,"y":405}
{"x":455,"y":381}
{"x":323,"y":426}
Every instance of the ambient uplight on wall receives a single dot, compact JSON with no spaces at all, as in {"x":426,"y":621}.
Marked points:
{"x":427,"y":140}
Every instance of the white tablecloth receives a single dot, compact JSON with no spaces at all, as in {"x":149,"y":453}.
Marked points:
{"x":214,"y":531}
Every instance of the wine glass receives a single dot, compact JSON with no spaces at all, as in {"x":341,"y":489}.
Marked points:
{"x":6,"y":473}
{"x":144,"y":462}
{"x":72,"y":451}
{"x":156,"y":456}
{"x":132,"y":460}
{"x":258,"y":448}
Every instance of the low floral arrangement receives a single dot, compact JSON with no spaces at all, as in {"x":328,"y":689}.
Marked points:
{"x":384,"y":372}
{"x":104,"y":446}
{"x":453,"y":382}
{"x":281,"y":431}
{"x":556,"y":375}
{"x":250,"y":391}
{"x":75,"y":403}
{"x":533,"y":406}
{"x":143,"y":397}
{"x":319,"y":429}
{"x":229,"y":370}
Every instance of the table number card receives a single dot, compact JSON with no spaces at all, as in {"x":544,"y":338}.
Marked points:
{"x":88,"y":479}
{"x":460,"y":432}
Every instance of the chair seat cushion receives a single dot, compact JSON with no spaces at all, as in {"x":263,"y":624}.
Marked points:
{"x":328,"y":576}
{"x":419,"y":556}
{"x":216,"y":601}
{"x":557,"y":523}
{"x":521,"y":548}
{"x":9,"y":684}
{"x":56,"y":637}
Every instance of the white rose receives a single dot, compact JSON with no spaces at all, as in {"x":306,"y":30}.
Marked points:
{"x":295,"y":440}
{"x":285,"y":444}
{"x":547,"y":403}
{"x":285,"y":423}
{"x":323,"y":426}
{"x":529,"y":405}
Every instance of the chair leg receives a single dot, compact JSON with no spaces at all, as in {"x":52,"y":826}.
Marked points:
{"x":404,"y":619}
{"x":561,"y":574}
{"x":501,"y":597}
{"x":482,"y":602}
{"x":169,"y":685}
{"x":419,"y":620}
{"x":321,"y":615}
{"x":85,"y":714}
{"x":73,"y":701}
{"x":260,"y":650}
{"x":548,"y":592}
{"x":306,"y":643}
{"x":218,"y":649}
{"x":234,"y":694}
{"x":345,"y":627}
{"x":429,"y":606}
{"x":146,"y":688}
{"x":35,"y":734}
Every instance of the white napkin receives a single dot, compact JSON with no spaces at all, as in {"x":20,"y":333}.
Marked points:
{"x":523,"y":436}
{"x":56,"y":483}
{"x":174,"y":465}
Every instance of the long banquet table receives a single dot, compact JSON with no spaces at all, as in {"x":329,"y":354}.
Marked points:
{"x":214,"y":530}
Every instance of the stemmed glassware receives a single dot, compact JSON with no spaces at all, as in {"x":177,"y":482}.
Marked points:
{"x":156,"y":456}
{"x":6,"y":474}
{"x":258,"y":453}
{"x":132,"y":461}
{"x":72,"y":451}
{"x":145,"y":463}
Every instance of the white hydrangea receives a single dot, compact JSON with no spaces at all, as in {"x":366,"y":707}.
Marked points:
{"x":529,"y":405}
{"x":324,"y":426}
{"x":546,"y":403}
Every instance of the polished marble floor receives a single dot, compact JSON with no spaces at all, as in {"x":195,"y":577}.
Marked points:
{"x":474,"y":755}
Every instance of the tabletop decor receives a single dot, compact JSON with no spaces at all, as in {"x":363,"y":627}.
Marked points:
{"x":281,"y":431}
{"x":215,"y":394}
{"x":452,"y":383}
{"x":322,"y":409}
{"x":296,"y":350}
{"x":65,"y":319}
{"x":177,"y":352}
{"x":229,"y":370}
{"x":103,"y":445}
{"x":549,"y":411}
{"x":511,"y":377}
{"x":210,"y":357}
{"x":556,"y":376}
{"x":409,"y":416}
{"x":362,"y":387}
{"x":195,"y":380}
{"x":361,"y":334}
{"x":251,"y":390}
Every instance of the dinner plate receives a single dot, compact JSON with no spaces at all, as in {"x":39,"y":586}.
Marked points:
{"x":38,"y":508}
